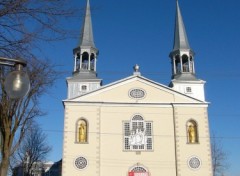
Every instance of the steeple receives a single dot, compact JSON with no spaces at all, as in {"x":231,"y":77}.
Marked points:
{"x":180,"y":36}
{"x":182,"y":55}
{"x":85,"y":54}
{"x":84,"y":77}
{"x":182,"y":58}
{"x":87,"y":32}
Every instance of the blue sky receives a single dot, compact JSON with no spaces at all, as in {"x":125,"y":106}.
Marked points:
{"x":129,"y":32}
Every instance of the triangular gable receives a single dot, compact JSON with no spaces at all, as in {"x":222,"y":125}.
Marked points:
{"x":120,"y":92}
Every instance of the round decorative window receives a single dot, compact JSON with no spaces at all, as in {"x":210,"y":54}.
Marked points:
{"x":81,"y":163}
{"x":194,"y":162}
{"x":137,"y":93}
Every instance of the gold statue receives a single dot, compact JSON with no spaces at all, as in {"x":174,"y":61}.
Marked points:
{"x":82,"y":133}
{"x":192,"y":134}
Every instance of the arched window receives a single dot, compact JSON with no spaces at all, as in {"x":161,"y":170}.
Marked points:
{"x":85,"y":58}
{"x":77,"y":62}
{"x":138,"y":170}
{"x":81,"y":131}
{"x":92,"y":62}
{"x":178,"y":64}
{"x":138,"y":134}
{"x":191,"y":65}
{"x":185,"y":62}
{"x":192,"y":132}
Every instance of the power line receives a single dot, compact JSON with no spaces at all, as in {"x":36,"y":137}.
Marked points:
{"x":163,"y":136}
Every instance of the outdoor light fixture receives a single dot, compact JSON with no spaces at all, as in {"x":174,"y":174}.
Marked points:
{"x":17,"y":83}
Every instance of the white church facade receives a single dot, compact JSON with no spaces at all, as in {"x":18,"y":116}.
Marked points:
{"x":135,"y":126}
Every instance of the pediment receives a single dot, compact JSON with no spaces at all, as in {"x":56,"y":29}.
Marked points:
{"x":135,"y":89}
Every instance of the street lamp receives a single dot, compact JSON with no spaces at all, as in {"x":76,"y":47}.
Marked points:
{"x":17,"y":83}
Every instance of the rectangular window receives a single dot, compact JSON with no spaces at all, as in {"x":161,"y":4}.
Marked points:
{"x":188,"y":90}
{"x":141,"y":125}
{"x":135,"y":147}
{"x":127,"y":146}
{"x":126,"y":135}
{"x":134,"y":126}
{"x":148,"y":129}
{"x":126,"y":129}
{"x":149,"y":144}
{"x":84,"y":88}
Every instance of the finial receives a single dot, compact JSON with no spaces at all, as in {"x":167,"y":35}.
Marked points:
{"x":136,"y":70}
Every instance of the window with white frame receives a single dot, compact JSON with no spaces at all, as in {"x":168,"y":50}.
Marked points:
{"x":138,"y":134}
{"x":84,"y":88}
{"x":188,"y":90}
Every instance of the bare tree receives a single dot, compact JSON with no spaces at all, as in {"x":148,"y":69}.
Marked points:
{"x":16,"y":115}
{"x":32,"y":151}
{"x":24,"y":23}
{"x":219,"y":157}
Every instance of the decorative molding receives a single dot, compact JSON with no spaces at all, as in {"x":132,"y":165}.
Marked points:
{"x":137,"y":93}
{"x":194,"y":163}
{"x":80,"y":163}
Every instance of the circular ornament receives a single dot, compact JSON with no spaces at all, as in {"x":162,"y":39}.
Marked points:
{"x":81,"y":163}
{"x":137,"y":93}
{"x":194,"y":162}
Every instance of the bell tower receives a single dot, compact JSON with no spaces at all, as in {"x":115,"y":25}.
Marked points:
{"x":84,"y":78}
{"x":184,"y":77}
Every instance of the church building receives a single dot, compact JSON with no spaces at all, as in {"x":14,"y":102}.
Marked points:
{"x":135,"y":126}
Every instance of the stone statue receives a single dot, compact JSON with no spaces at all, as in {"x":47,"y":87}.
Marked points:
{"x":82,"y":133}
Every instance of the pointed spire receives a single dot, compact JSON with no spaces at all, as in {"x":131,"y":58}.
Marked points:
{"x":182,"y":55}
{"x":84,"y":77}
{"x":85,"y":54}
{"x":180,"y":36}
{"x":87,"y":32}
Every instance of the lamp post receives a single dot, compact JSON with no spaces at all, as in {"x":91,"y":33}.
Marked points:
{"x":17,"y":83}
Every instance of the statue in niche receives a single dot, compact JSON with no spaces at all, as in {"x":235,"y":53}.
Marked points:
{"x":82,"y":133}
{"x":192,"y":133}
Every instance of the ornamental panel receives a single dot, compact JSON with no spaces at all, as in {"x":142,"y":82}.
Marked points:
{"x":137,"y":93}
{"x":194,"y":162}
{"x":81,"y":163}
{"x":138,"y":134}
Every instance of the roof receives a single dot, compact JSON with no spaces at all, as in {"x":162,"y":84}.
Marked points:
{"x":87,"y":32}
{"x":155,"y":93}
{"x":185,"y":77}
{"x":83,"y":75}
{"x":180,"y":35}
